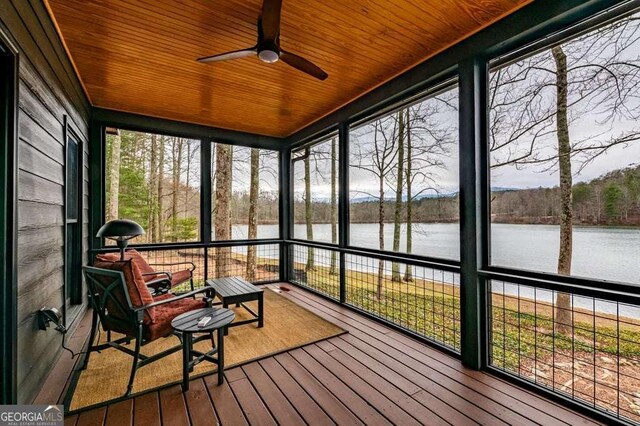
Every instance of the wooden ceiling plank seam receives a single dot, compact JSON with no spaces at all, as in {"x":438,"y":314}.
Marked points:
{"x":362,"y":44}
{"x":250,"y":91}
{"x":232,"y":45}
{"x":433,"y":54}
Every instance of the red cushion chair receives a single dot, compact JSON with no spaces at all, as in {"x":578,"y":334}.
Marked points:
{"x":122,"y":303}
{"x":158,"y":280}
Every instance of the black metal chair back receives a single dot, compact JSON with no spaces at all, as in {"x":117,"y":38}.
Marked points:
{"x":109,"y":297}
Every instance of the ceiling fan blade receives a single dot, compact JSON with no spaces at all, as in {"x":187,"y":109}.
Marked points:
{"x":303,"y":65}
{"x":271,"y":10}
{"x":236,"y":54}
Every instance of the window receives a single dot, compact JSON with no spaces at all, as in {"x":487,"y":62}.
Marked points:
{"x":403,"y":179}
{"x":564,"y":152}
{"x":315,"y":191}
{"x":155,"y":181}
{"x":252,"y":186}
{"x":73,"y":217}
{"x":565,"y":199}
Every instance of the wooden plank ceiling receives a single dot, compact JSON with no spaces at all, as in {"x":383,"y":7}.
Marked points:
{"x":139,"y":55}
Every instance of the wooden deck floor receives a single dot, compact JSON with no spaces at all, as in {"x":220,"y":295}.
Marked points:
{"x":372,"y":375}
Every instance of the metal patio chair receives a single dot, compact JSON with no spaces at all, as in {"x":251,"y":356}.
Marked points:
{"x":143,"y":319}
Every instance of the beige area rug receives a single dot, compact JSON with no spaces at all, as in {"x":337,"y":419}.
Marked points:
{"x":286,"y":326}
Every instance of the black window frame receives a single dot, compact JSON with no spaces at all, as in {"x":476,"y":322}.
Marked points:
{"x":296,"y":157}
{"x":203,"y":185}
{"x":73,"y":227}
{"x":510,"y":55}
{"x":9,"y":95}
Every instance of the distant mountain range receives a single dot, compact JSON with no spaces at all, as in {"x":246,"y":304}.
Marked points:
{"x":370,"y":198}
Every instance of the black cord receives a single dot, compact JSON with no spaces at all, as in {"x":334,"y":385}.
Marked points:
{"x":73,"y":354}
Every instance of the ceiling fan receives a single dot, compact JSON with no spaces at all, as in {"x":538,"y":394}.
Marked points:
{"x":268,"y":47}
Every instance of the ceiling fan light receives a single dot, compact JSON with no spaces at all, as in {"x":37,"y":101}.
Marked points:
{"x":268,"y":56}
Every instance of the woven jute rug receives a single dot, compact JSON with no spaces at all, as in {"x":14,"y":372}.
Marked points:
{"x":286,"y":326}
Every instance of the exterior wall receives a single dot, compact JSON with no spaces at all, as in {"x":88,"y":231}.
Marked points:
{"x":48,"y":91}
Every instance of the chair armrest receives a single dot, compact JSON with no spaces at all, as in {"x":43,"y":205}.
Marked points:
{"x":167,"y":273}
{"x":173,"y":299}
{"x":193,"y":266}
{"x":159,"y":281}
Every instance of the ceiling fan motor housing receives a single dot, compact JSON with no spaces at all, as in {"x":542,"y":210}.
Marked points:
{"x":268,"y":52}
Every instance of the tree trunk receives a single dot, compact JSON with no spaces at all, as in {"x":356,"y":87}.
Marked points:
{"x":177,"y":164}
{"x":308,"y":213}
{"x":186,"y":192}
{"x":114,"y":179}
{"x":152,"y":232}
{"x":222,"y":215}
{"x":230,"y":190}
{"x":397,"y":219}
{"x":408,"y":273}
{"x":333,"y":270}
{"x":563,"y":315}
{"x":252,"y":231}
{"x":380,"y":233}
{"x":160,"y":212}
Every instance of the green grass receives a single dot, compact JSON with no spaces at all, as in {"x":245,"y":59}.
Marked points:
{"x":433,"y":310}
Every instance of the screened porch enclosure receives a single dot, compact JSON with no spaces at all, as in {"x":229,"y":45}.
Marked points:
{"x":463,"y":204}
{"x":424,"y":215}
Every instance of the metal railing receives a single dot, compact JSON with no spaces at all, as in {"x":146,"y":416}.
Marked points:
{"x":216,"y":259}
{"x":585,"y":350}
{"x":418,"y":296}
{"x":579,"y":342}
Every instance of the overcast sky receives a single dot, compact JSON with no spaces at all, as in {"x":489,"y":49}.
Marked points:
{"x":588,"y":121}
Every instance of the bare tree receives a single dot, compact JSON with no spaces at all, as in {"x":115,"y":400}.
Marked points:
{"x":375,"y":152}
{"x":535,"y":100}
{"x":252,"y":224}
{"x":222,"y":208}
{"x":114,"y":177}
{"x":308,"y":212}
{"x":397,"y":220}
{"x":160,"y":190}
{"x":177,"y":148}
{"x":333,"y":269}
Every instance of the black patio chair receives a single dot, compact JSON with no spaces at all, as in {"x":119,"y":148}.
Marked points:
{"x":109,"y":296}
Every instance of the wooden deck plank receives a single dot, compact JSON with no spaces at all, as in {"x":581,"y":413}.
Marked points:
{"x":93,"y":417}
{"x":372,"y":375}
{"x":434,"y":404}
{"x":377,"y":399}
{"x":199,"y":405}
{"x":425,"y":353}
{"x":526,"y":409}
{"x":120,"y":413}
{"x":380,"y":381}
{"x":252,"y":406}
{"x":173,"y":407}
{"x":71,"y":420}
{"x":306,"y":407}
{"x":356,"y":403}
{"x":425,"y":369}
{"x":429,"y":387}
{"x":234,"y":374}
{"x":276,"y":402}
{"x":224,"y":402}
{"x":323,"y":397}
{"x":147,"y":410}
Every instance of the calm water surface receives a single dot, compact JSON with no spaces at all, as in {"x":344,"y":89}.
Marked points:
{"x":598,"y":252}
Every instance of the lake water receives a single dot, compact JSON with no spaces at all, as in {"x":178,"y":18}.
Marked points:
{"x":598,"y":252}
